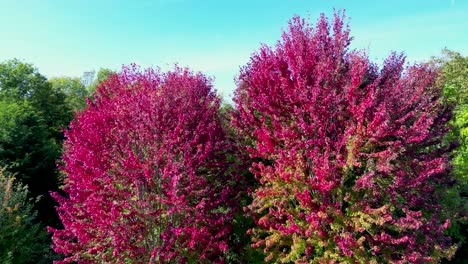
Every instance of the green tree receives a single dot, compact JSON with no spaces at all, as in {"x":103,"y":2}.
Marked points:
{"x":29,"y":152}
{"x":32,"y":118}
{"x":454,"y":77}
{"x":23,"y":140}
{"x":20,"y":81}
{"x":22,"y":240}
{"x":454,"y":73}
{"x":102,"y":75}
{"x":74,"y":90}
{"x":454,"y":67}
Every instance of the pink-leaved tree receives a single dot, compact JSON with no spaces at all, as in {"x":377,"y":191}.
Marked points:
{"x":148,"y":177}
{"x":350,"y":159}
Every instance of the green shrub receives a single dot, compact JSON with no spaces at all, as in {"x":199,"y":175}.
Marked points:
{"x":22,"y":240}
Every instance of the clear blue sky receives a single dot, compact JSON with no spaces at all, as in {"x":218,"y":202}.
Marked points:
{"x":66,"y":38}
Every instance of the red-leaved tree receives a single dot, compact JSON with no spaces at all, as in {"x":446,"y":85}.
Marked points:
{"x":148,"y":176}
{"x":351,"y":158}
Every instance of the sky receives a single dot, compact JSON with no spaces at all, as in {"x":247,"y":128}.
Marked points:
{"x":66,"y":38}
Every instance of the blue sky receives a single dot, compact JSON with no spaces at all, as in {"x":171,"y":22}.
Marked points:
{"x":66,"y":38}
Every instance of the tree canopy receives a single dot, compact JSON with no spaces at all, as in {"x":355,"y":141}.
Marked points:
{"x":76,"y":93}
{"x":351,"y":159}
{"x":147,"y":173}
{"x":32,"y":117}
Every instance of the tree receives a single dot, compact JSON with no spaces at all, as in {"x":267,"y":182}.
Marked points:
{"x":32,"y":116}
{"x":20,"y":81}
{"x":22,"y":240}
{"x":102,"y":75}
{"x":148,"y":173}
{"x":351,"y":160}
{"x":24,"y":145}
{"x":76,"y":93}
{"x":454,"y":77}
{"x":454,"y":70}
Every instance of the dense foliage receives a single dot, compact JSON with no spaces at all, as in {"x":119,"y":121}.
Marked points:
{"x":20,"y":81}
{"x":331,"y":158}
{"x":76,"y":93}
{"x":22,"y":240}
{"x":148,"y":173}
{"x":454,"y":77}
{"x":101,"y":76}
{"x":454,"y":73}
{"x":351,"y":159}
{"x":32,"y":116}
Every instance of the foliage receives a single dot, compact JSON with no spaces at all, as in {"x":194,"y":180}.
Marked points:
{"x":21,"y":239}
{"x":149,"y":175}
{"x":32,"y":117}
{"x":24,"y":146}
{"x":351,"y":160}
{"x":240,"y":250}
{"x":76,"y":93}
{"x":20,"y":81}
{"x":454,"y":73}
{"x":102,"y":75}
{"x":27,"y":150}
{"x":454,"y":70}
{"x":454,"y":76}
